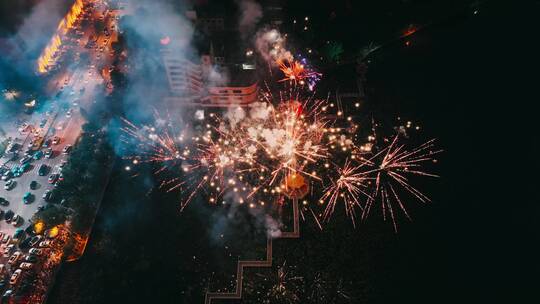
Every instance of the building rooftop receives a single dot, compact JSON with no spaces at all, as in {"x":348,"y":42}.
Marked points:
{"x":240,"y":77}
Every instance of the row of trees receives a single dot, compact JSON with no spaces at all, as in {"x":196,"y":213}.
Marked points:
{"x":77,"y":196}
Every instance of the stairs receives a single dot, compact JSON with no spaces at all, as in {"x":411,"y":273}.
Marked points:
{"x":267,"y":262}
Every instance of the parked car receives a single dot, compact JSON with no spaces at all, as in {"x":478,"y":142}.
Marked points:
{"x":28,"y":198}
{"x":6,"y":238}
{"x":15,"y":277}
{"x":35,"y":240}
{"x":26,"y":265}
{"x":35,"y":251}
{"x":23,"y":168}
{"x":13,"y":147}
{"x":33,"y":185}
{"x":47,"y":195}
{"x":4,"y":202}
{"x":19,"y":234}
{"x":8,"y":250}
{"x":43,"y":170}
{"x":9,"y":216}
{"x":47,"y":143}
{"x":38,"y":155}
{"x":17,"y":172}
{"x":14,"y":257}
{"x":31,"y":258}
{"x":62,"y":164}
{"x":66,"y":149}
{"x":53,"y":178}
{"x":25,"y":160}
{"x":10,"y":184}
{"x":45,"y":244}
{"x":7,"y":175}
{"x":17,"y":220}
{"x":49,"y":153}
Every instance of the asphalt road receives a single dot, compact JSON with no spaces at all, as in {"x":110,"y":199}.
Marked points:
{"x":71,"y":88}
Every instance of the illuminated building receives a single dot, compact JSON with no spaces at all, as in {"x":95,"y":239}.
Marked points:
{"x":224,"y":74}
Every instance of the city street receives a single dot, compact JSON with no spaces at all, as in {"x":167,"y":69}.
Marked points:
{"x":78,"y":77}
{"x":71,"y":89}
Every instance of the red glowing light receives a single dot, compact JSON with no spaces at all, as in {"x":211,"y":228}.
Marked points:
{"x":165,"y":40}
{"x":410,"y":30}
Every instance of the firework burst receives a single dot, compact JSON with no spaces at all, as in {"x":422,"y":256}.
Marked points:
{"x":393,"y":167}
{"x":298,"y":72}
{"x":284,"y":145}
{"x":286,"y":287}
{"x":350,"y":186}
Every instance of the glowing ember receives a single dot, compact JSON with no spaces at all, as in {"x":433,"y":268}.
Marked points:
{"x":53,"y":232}
{"x":38,"y":227}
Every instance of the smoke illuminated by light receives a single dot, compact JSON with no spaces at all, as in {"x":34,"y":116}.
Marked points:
{"x":298,"y":73}
{"x":11,"y":95}
{"x":48,"y":56}
{"x":283,"y":146}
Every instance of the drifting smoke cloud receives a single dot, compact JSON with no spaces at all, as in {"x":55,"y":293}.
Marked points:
{"x":250,"y":14}
{"x":234,"y":115}
{"x":147,"y":84}
{"x":270,"y":43}
{"x":217,"y":77}
{"x":234,"y":216}
{"x":260,"y":110}
{"x":276,"y":139}
{"x":36,"y":29}
{"x":21,"y":45}
{"x":259,"y":220}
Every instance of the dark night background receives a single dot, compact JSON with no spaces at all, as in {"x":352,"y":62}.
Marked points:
{"x":471,"y":81}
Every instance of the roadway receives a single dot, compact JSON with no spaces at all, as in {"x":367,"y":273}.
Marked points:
{"x":72,"y":87}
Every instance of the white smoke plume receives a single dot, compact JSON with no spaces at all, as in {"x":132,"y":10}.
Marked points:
{"x":250,"y":14}
{"x":247,"y":218}
{"x":271,"y":45}
{"x":217,"y":77}
{"x":36,"y":29}
{"x":235,"y":115}
{"x":260,"y":110}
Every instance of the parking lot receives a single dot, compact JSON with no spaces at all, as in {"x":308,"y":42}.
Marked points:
{"x":21,"y":255}
{"x":72,"y":90}
{"x":58,"y":125}
{"x":29,"y":256}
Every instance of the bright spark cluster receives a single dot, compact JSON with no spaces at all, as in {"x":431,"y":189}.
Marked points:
{"x":298,"y":73}
{"x":285,"y":146}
